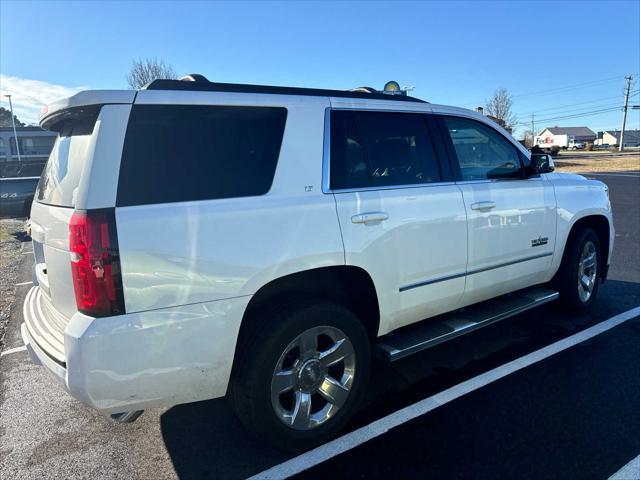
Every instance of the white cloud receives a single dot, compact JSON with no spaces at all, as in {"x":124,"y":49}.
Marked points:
{"x":29,"y":96}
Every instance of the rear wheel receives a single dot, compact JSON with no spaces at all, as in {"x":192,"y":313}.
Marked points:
{"x":301,"y":374}
{"x":579,"y":276}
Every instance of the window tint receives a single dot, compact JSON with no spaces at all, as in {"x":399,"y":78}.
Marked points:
{"x":60,"y":178}
{"x":371,"y":149}
{"x":177,"y":153}
{"x":482,"y":152}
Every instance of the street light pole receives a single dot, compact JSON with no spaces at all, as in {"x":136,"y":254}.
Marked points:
{"x":15,"y":134}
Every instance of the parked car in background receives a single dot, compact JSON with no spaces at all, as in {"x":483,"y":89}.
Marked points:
{"x":194,"y":240}
{"x":19,"y":174}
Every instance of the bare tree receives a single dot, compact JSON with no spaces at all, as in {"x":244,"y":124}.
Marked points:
{"x":147,"y":70}
{"x":499,"y":107}
{"x":527,"y":136}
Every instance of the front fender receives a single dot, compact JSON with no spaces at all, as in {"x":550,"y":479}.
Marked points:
{"x":579,"y":198}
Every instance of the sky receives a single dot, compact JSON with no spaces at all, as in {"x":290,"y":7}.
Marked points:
{"x":565,"y":62}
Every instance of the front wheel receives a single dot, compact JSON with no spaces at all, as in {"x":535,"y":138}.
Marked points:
{"x":300,"y":374}
{"x":579,"y":276}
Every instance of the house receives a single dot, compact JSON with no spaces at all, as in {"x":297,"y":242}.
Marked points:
{"x":564,"y":136}
{"x":612,"y":137}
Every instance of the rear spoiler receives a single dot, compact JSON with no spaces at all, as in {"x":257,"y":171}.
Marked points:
{"x":51,"y":114}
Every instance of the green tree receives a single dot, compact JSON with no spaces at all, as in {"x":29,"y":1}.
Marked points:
{"x":5,"y":119}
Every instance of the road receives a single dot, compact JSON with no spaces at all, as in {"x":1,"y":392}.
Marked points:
{"x":570,"y":415}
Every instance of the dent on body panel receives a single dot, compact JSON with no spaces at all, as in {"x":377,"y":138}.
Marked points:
{"x":201,"y":251}
{"x":158,"y":368}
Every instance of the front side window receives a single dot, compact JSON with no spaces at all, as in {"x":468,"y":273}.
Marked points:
{"x":377,"y":149}
{"x":482,"y":152}
{"x":178,"y":153}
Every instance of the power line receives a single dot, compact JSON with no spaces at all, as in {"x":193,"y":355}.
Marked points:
{"x":617,"y":97}
{"x":578,"y":115}
{"x":551,"y":91}
{"x":576,"y":85}
{"x":575,"y":115}
{"x":580,"y":109}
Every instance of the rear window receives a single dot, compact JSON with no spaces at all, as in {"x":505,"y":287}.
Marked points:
{"x":61,"y":176}
{"x":177,"y":153}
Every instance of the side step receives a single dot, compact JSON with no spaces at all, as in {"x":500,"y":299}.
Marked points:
{"x":431,"y":332}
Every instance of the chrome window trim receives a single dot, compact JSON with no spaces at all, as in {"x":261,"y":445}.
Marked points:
{"x":497,"y":180}
{"x":326,"y":153}
{"x":326,"y":148}
{"x":472,"y":272}
{"x":392,"y":187}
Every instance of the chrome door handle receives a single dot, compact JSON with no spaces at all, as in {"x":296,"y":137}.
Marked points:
{"x":369,"y":217}
{"x":483,"y":205}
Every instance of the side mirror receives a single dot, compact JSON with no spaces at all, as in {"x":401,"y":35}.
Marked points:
{"x":540,"y":163}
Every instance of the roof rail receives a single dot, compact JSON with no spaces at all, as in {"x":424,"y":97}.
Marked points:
{"x":197,"y":82}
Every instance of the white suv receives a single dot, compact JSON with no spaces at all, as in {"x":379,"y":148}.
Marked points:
{"x":194,"y":240}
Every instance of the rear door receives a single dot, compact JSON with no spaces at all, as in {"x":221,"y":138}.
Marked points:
{"x":511,"y":218}
{"x":402,"y":218}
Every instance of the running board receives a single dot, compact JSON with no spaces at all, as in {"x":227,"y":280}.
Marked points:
{"x":429,"y":333}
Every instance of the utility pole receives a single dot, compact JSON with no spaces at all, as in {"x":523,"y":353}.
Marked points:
{"x":624,"y":112}
{"x":13,"y":121}
{"x":533,"y":129}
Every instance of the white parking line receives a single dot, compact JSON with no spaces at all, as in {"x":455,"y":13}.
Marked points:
{"x":13,"y":350}
{"x":364,"y":434}
{"x":23,"y":283}
{"x":631,"y":471}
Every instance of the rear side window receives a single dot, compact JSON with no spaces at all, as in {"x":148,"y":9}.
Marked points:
{"x":482,"y":152}
{"x":177,"y":153}
{"x":60,"y":178}
{"x":376,"y":149}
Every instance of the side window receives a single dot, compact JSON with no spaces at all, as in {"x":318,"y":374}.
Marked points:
{"x":373,"y":149}
{"x":348,"y":161}
{"x":482,"y":152}
{"x":178,"y":153}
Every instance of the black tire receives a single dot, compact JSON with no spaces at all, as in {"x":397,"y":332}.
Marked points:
{"x":260,"y":352}
{"x":567,"y":278}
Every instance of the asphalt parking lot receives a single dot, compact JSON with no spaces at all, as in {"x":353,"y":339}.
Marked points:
{"x":573,"y":414}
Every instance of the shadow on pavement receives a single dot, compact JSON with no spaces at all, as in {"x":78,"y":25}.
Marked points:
{"x":205,"y":440}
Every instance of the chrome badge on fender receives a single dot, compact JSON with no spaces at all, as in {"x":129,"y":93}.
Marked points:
{"x":537,"y":242}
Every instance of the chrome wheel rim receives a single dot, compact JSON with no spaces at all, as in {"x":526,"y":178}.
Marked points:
{"x":587,"y":271}
{"x":313,"y":377}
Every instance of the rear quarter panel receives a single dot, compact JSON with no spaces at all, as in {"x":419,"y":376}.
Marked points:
{"x":189,"y":252}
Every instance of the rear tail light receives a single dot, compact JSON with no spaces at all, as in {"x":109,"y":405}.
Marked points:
{"x":95,"y":263}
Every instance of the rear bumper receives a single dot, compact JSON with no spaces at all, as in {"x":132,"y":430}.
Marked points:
{"x":147,"y":359}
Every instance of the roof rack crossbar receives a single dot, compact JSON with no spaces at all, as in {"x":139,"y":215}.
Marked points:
{"x":207,"y":86}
